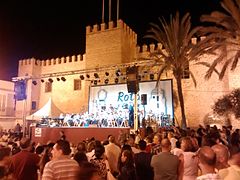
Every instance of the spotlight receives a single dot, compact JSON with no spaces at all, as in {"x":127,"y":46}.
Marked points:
{"x":34,"y":83}
{"x":50,"y":80}
{"x":88,"y":76}
{"x":106,"y":81}
{"x":95,"y":82}
{"x":96,"y":75}
{"x":116,"y":80}
{"x":107,"y":73}
{"x":152,"y":76}
{"x":118,"y":72}
{"x":58,"y":79}
{"x":42,"y":80}
{"x":81,"y":77}
{"x":63,"y":78}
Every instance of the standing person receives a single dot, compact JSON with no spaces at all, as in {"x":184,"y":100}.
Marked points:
{"x":62,"y":135}
{"x":188,"y":168}
{"x":24,"y":164}
{"x":100,"y":162}
{"x":126,"y":166}
{"x":143,"y":162}
{"x":165,"y":165}
{"x":206,"y":164}
{"x":17,"y":130}
{"x":112,"y":152}
{"x":61,"y":166}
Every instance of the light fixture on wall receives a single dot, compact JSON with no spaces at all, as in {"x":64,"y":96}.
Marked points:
{"x":58,"y":79}
{"x":88,"y":76}
{"x":63,"y":78}
{"x":107,"y":73}
{"x":95,"y":82}
{"x":42,"y":80}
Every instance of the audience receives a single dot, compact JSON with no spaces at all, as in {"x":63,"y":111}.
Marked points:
{"x":168,"y":153}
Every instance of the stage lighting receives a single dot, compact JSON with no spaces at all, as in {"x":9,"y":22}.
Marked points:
{"x":118,"y":72}
{"x":106,"y":81}
{"x":107,"y":73}
{"x":88,"y":76}
{"x":50,"y":80}
{"x":81,"y":77}
{"x":116,"y":80}
{"x":34,"y":82}
{"x":58,"y":79}
{"x":96,"y":75}
{"x":63,"y":78}
{"x":42,"y":80}
{"x":152,"y":76}
{"x":139,"y":77}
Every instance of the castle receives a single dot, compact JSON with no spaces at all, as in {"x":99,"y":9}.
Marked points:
{"x":109,"y":47}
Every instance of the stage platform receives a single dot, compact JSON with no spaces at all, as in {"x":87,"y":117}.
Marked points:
{"x":73,"y":134}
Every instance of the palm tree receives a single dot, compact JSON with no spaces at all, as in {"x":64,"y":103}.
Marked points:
{"x":179,"y":51}
{"x":225,"y":26}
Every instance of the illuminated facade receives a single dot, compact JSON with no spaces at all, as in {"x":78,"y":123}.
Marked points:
{"x":7,"y":104}
{"x":111,"y":47}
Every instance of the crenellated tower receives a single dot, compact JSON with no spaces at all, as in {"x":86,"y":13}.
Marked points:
{"x":109,"y":44}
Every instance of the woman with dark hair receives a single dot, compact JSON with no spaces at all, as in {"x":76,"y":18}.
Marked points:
{"x":99,"y":161}
{"x":80,"y":157}
{"x":126,"y":166}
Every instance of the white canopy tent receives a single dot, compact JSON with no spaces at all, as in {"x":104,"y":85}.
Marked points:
{"x":49,"y":110}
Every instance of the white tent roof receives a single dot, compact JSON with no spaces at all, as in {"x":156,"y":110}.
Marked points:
{"x":49,"y":110}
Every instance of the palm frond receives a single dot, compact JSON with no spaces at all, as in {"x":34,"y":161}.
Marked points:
{"x":193,"y":78}
{"x":235,"y":60}
{"x":161,"y":70}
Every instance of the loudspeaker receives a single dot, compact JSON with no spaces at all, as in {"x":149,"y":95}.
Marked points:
{"x":144,"y":99}
{"x":132,"y":87}
{"x":132,"y":79}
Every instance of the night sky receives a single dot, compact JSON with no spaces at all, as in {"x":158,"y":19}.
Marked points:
{"x":49,"y":29}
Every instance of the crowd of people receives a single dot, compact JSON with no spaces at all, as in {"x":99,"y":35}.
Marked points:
{"x":168,"y":154}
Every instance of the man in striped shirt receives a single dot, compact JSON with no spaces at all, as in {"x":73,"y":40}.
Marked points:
{"x":61,"y":167}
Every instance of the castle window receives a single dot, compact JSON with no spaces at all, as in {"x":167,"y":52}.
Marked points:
{"x":34,"y":105}
{"x":48,"y":87}
{"x":2,"y":102}
{"x":77,"y":84}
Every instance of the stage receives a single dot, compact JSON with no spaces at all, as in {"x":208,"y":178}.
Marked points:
{"x":73,"y":134}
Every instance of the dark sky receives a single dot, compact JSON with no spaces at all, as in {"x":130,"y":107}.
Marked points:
{"x":49,"y":28}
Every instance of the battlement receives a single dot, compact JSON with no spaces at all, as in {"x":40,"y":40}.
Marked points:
{"x":111,"y":26}
{"x":153,"y":47}
{"x":51,"y":62}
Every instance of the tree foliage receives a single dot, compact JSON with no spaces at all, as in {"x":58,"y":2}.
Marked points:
{"x":229,"y":103}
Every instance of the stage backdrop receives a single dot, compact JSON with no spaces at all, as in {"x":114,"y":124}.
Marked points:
{"x":158,"y":101}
